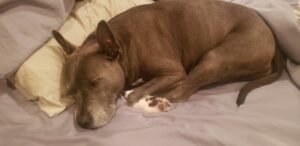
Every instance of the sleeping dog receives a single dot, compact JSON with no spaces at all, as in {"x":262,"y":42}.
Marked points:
{"x":176,"y":47}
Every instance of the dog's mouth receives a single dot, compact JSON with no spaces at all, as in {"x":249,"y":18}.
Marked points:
{"x":102,"y":122}
{"x":95,"y":121}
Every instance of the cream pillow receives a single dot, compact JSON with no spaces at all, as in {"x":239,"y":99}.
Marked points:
{"x":39,"y":76}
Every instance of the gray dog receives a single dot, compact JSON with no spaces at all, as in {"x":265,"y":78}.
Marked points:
{"x":176,"y":47}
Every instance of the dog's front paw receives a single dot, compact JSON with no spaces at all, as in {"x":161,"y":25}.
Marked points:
{"x":153,"y":104}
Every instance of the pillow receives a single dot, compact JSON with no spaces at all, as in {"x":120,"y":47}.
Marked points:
{"x":38,"y":78}
{"x":297,"y":11}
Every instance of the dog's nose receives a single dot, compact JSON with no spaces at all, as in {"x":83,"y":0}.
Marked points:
{"x":85,"y":121}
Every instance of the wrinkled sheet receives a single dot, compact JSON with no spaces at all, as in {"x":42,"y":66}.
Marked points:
{"x":270,"y":117}
{"x":25,"y":25}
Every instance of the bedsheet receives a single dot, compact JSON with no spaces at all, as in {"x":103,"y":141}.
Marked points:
{"x":25,"y":26}
{"x":270,"y":117}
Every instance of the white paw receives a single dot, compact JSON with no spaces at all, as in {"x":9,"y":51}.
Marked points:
{"x":153,"y":105}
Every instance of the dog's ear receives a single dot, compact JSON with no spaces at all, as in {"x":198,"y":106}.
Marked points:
{"x":106,"y":40}
{"x":66,"y":45}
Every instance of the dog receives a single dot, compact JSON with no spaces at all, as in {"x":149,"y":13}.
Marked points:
{"x":176,"y":47}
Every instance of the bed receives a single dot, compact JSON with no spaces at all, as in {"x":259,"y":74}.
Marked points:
{"x":270,"y":117}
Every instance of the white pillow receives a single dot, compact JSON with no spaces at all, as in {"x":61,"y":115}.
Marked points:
{"x":39,"y":77}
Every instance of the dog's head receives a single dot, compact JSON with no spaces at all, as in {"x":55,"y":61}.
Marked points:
{"x":93,"y":76}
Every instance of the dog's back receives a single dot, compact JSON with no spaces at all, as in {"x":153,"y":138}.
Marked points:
{"x":189,"y":27}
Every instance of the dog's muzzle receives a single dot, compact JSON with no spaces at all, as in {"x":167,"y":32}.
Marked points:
{"x":95,"y":118}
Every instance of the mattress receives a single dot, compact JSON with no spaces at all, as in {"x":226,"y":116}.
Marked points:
{"x":270,"y":117}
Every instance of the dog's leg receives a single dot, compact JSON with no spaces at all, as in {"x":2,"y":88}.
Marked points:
{"x":154,"y":86}
{"x":160,"y":83}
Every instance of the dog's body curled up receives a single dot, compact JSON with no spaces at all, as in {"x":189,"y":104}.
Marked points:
{"x":177,"y":47}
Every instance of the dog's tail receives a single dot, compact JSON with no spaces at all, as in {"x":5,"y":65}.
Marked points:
{"x":278,"y":67}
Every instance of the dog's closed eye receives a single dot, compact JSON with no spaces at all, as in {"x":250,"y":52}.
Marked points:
{"x":94,"y":82}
